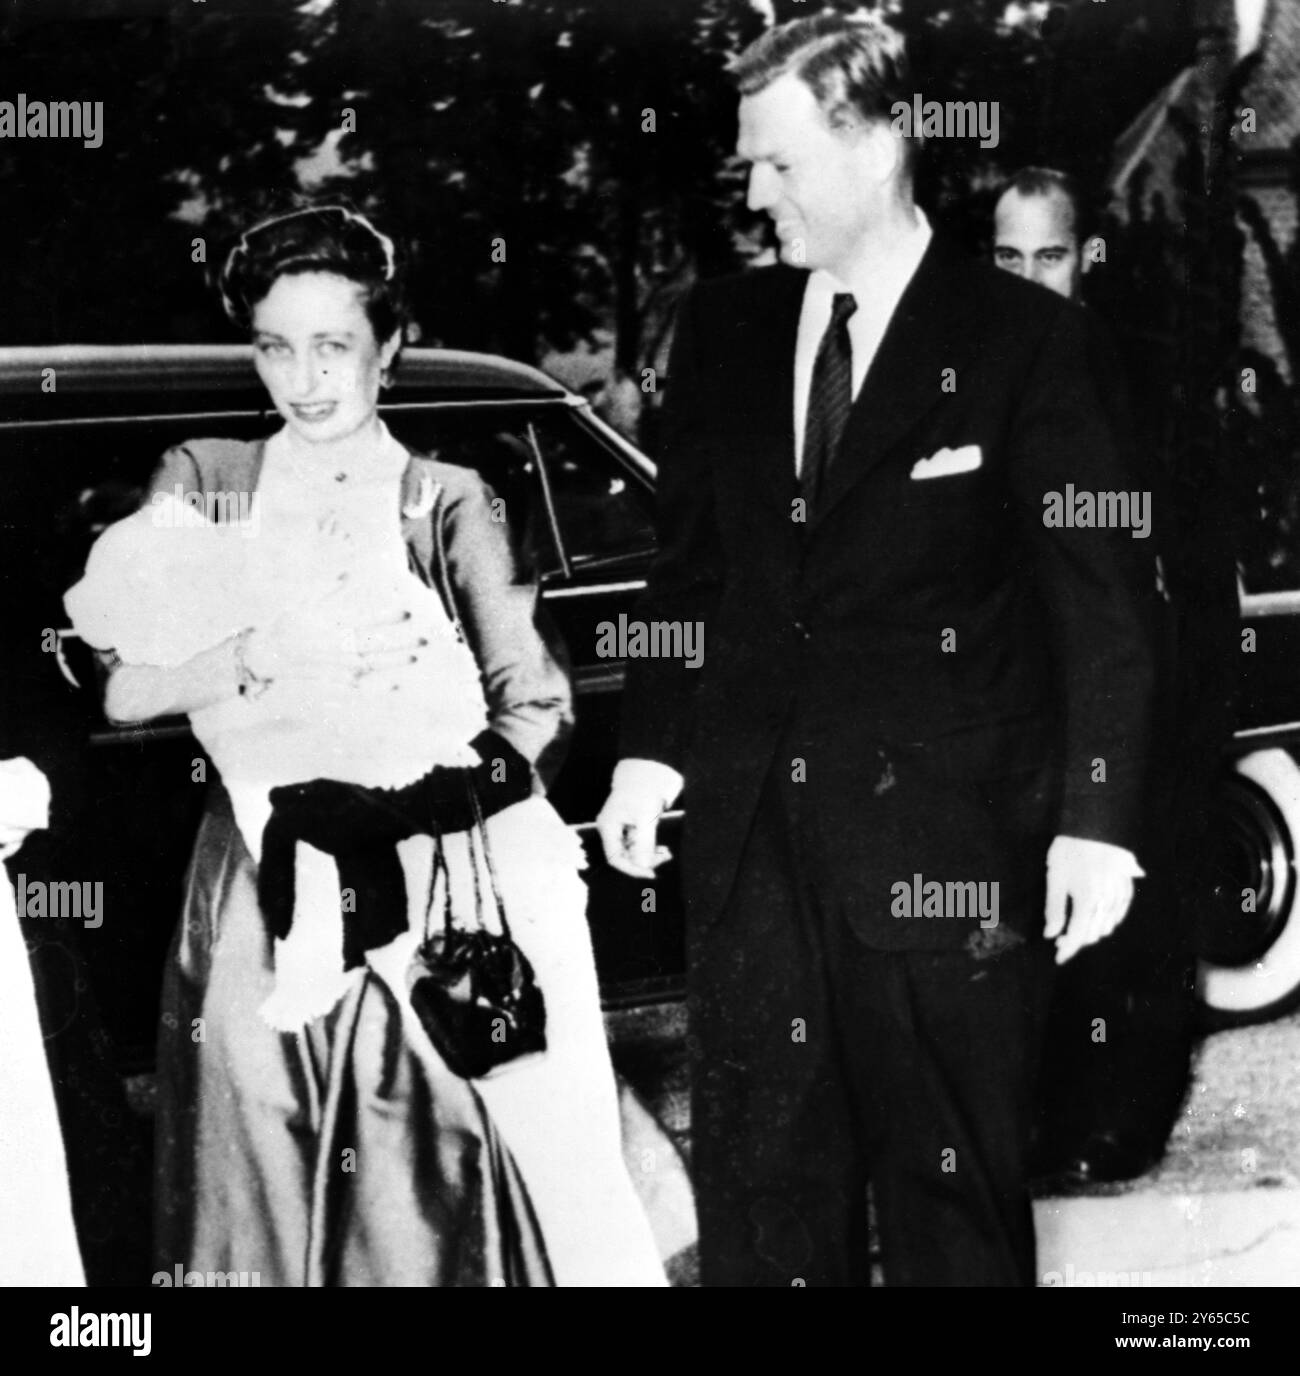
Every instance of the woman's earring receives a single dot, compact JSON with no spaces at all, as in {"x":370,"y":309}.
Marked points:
{"x":386,"y":379}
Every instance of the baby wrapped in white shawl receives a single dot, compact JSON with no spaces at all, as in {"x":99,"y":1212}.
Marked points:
{"x":165,"y":584}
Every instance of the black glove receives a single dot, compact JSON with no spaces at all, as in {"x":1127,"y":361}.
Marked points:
{"x":361,"y":827}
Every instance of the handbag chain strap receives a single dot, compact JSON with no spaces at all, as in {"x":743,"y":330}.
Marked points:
{"x":478,"y":842}
{"x":480,"y":827}
{"x":438,"y":867}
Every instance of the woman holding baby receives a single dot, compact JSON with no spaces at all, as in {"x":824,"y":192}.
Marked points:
{"x":348,"y":661}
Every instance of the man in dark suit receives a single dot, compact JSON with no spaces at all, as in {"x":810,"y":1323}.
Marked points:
{"x":923,"y":676}
{"x":1119,"y":1034}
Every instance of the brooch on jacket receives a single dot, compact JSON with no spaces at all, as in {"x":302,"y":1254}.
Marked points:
{"x":423,"y":502}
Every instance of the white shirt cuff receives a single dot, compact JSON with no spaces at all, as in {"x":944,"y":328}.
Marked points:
{"x":1069,"y":848}
{"x":649,"y":779}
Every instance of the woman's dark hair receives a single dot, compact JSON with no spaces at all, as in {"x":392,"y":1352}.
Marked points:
{"x":315,"y":239}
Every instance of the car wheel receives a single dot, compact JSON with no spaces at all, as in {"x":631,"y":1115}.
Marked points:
{"x":1249,"y":967}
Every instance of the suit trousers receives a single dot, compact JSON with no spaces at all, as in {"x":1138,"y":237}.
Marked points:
{"x":821,"y":1064}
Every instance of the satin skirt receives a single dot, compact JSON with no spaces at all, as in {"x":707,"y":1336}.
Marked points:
{"x":348,"y":1154}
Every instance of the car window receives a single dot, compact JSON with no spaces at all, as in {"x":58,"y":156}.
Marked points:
{"x":604,"y":513}
{"x":493,"y":441}
{"x":64,"y":482}
{"x":1268,"y":536}
{"x":1268,"y":558}
{"x":61,"y":484}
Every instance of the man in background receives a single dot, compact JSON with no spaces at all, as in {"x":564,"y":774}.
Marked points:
{"x":1119,"y":1033}
{"x":1038,"y":231}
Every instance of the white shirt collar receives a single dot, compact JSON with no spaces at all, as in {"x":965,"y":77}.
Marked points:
{"x":875,"y":306}
{"x":825,"y":284}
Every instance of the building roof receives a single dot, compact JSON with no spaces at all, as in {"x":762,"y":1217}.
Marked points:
{"x":1135,"y":144}
{"x":1273,"y":92}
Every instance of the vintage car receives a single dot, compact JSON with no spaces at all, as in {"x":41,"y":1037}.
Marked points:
{"x":1249,"y":929}
{"x":82,"y":428}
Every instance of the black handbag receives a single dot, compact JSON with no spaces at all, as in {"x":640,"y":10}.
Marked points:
{"x":473,"y":989}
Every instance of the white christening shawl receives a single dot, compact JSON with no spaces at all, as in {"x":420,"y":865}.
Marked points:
{"x":166,"y":583}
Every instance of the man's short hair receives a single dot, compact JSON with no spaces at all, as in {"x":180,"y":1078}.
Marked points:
{"x":856,"y":63}
{"x":1044,"y":181}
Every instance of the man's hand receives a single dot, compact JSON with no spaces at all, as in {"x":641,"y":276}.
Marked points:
{"x":1092,"y":881}
{"x":641,"y":793}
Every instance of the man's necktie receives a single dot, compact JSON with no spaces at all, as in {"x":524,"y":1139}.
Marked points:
{"x":829,"y":399}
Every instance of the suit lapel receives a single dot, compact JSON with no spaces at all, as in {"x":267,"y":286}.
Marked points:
{"x":768,"y":423}
{"x":931,"y":330}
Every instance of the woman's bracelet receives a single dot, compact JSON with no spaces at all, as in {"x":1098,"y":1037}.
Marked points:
{"x":251,"y":685}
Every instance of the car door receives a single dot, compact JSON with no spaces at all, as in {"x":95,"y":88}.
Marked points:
{"x":579,"y":502}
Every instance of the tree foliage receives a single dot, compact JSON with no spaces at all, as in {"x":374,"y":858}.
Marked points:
{"x":553,"y":168}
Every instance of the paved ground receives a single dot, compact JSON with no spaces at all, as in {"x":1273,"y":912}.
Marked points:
{"x":1222,"y":1209}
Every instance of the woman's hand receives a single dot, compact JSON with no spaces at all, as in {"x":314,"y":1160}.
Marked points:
{"x":315,"y":642}
{"x":302,"y":644}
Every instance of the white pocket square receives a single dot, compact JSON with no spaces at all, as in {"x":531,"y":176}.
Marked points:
{"x":948,"y":461}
